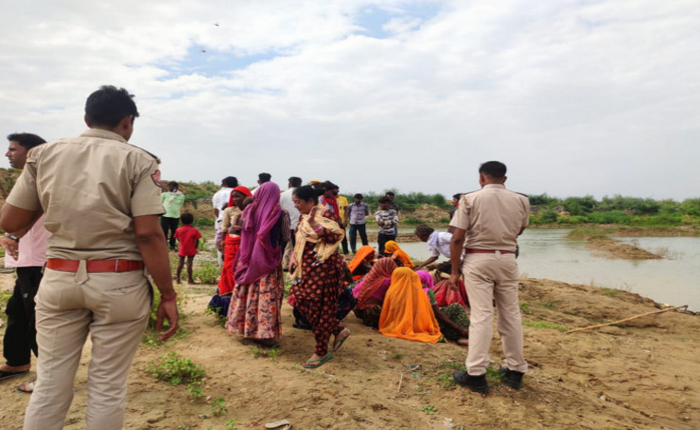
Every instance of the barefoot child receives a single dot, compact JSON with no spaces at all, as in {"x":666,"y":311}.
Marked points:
{"x":188,"y":237}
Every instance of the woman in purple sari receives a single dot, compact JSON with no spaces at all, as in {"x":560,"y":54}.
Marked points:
{"x":256,"y":300}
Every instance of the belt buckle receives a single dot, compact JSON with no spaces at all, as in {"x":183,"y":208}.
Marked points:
{"x":116,"y":266}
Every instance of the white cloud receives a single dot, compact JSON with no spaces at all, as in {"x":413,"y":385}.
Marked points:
{"x":576,"y":97}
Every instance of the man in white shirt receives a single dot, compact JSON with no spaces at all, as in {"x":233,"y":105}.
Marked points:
{"x":287,"y":204}
{"x":438,"y":243}
{"x":219,"y":201}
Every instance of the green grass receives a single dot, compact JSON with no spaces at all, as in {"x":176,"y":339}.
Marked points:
{"x":545,"y":325}
{"x":207,"y":272}
{"x":547,"y":304}
{"x":610,"y":292}
{"x":173,"y":369}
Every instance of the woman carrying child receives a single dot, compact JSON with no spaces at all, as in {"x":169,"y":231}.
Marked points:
{"x":231,"y":232}
{"x":232,"y":236}
{"x":257,"y":295}
{"x":317,"y":273}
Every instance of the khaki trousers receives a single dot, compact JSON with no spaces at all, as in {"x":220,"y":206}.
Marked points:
{"x":488,"y":277}
{"x":113,"y":308}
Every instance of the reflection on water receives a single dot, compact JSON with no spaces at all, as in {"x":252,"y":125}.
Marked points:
{"x":548,"y":254}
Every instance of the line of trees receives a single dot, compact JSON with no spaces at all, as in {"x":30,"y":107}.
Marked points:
{"x":613,"y":210}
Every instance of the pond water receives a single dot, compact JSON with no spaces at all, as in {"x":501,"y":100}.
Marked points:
{"x":547,"y":254}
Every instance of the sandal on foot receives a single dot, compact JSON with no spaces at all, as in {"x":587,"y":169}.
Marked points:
{"x":7,"y":374}
{"x":313,"y":364}
{"x":339,"y":342}
{"x":26,"y":388}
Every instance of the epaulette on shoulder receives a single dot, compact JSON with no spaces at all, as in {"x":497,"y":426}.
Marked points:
{"x":470,"y":192}
{"x":151,"y":154}
{"x":522,"y":194}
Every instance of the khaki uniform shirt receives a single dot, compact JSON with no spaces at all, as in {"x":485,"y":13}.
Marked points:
{"x":492,"y":217}
{"x":90,"y":188}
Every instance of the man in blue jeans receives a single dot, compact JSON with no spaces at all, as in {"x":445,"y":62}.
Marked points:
{"x":355,"y":214}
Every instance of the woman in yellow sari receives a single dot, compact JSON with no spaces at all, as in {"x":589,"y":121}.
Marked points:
{"x":407,"y":312}
{"x":392,"y":249}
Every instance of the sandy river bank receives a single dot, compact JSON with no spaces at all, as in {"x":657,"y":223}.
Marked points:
{"x":642,"y":375}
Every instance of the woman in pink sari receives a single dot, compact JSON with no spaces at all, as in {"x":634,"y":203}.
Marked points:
{"x":257,"y":296}
{"x":371,"y":290}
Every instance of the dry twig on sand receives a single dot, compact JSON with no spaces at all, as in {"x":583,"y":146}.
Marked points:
{"x":625,"y":320}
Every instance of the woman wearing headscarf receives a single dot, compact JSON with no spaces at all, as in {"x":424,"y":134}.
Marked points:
{"x":232,"y":241}
{"x":317,"y":274}
{"x":452,"y":318}
{"x":362,"y":262}
{"x":371,"y":290}
{"x":259,"y":285}
{"x":391,"y":248}
{"x":407,"y":312}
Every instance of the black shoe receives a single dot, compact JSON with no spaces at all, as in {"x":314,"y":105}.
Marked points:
{"x":511,"y":378}
{"x":477,"y":384}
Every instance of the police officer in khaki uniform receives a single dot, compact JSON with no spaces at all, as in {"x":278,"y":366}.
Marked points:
{"x":491,"y":219}
{"x":101,"y":199}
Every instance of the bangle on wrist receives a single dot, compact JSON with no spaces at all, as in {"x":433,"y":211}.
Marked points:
{"x":12,"y":236}
{"x":170,"y":299}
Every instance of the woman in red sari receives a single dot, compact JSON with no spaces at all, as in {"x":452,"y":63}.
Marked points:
{"x":232,"y":238}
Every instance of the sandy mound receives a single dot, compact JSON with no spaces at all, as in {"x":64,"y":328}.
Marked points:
{"x":613,"y":249}
{"x":643,"y":375}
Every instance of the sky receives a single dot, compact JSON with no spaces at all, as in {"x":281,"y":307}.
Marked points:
{"x":576,"y":97}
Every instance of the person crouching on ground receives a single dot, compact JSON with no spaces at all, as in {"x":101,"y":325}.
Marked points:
{"x":188,"y":236}
{"x":317,"y":272}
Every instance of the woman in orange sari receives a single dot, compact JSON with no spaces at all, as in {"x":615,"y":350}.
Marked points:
{"x":392,"y":249}
{"x":407,"y":312}
{"x":362,"y":262}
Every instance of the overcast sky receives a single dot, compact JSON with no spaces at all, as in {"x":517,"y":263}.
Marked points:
{"x":576,"y":97}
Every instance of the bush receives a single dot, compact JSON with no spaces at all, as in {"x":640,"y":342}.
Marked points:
{"x":579,"y":205}
{"x":543,"y":200}
{"x":613,"y":217}
{"x":203,"y":222}
{"x":577,"y":219}
{"x":548,"y":216}
{"x":634,"y":205}
{"x":174,"y":370}
{"x":207,"y":273}
{"x":691,"y":207}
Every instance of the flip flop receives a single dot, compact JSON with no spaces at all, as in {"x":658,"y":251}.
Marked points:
{"x":338,"y":343}
{"x":5,"y":374}
{"x":287,"y":425}
{"x":313,"y":364}
{"x":30,"y":384}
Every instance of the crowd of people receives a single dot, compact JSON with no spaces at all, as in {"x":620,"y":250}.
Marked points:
{"x":96,"y":253}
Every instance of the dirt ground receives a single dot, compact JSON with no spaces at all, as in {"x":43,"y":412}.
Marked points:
{"x":642,"y":375}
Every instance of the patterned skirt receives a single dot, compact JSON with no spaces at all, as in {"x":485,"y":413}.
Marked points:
{"x":254,"y":311}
